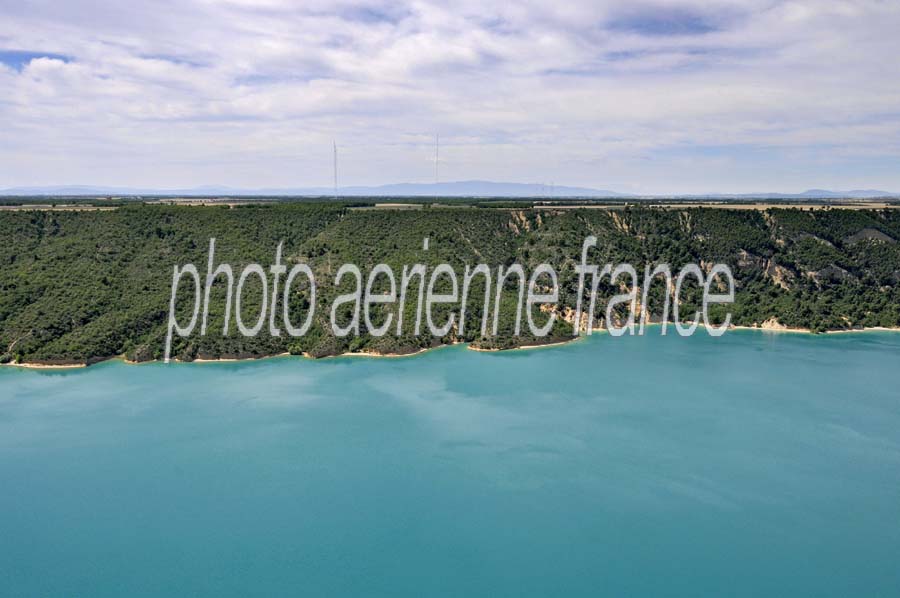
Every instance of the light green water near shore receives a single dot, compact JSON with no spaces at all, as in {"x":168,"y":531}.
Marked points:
{"x":751,"y":465}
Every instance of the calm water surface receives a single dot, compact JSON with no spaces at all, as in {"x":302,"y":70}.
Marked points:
{"x":751,"y":465}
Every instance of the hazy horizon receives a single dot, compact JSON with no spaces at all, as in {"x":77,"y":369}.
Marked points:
{"x":469,"y":188}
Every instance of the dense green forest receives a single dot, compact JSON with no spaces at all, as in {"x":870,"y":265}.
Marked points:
{"x":82,"y":286}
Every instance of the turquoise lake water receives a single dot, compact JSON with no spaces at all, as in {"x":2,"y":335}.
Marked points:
{"x":750,"y":465}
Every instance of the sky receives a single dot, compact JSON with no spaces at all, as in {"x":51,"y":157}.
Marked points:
{"x":668,"y":96}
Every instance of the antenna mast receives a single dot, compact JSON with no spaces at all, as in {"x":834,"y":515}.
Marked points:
{"x":334,"y":145}
{"x":437,"y":147}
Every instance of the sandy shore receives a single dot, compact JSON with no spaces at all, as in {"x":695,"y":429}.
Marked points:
{"x":227,"y":359}
{"x":384,"y":355}
{"x":45,"y":366}
{"x":872,"y":329}
{"x":526,"y":347}
{"x":808,"y":331}
{"x":72,"y":366}
{"x":773,"y":329}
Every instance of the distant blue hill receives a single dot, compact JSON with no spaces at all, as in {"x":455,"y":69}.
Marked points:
{"x":449,"y":189}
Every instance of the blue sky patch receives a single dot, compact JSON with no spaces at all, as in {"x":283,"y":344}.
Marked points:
{"x":373,"y":16}
{"x":662,"y":22}
{"x":17,"y":59}
{"x":179,"y":60}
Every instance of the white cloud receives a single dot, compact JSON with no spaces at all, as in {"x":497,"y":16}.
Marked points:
{"x":672,"y":95}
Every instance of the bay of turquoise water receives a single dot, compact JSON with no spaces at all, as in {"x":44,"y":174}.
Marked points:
{"x":750,"y":465}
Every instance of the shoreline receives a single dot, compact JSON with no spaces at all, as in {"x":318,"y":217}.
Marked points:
{"x":528,"y":347}
{"x":215,"y":360}
{"x":784,"y":329}
{"x":48,"y":366}
{"x":379,"y":355}
{"x":469,"y":347}
{"x":808,"y":331}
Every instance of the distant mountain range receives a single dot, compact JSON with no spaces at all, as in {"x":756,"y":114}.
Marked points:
{"x":449,"y":189}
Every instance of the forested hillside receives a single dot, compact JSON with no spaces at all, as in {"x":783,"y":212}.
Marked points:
{"x":85,"y":286}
